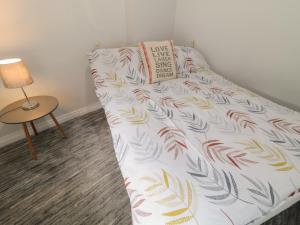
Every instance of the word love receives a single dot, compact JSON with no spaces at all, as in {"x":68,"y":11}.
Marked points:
{"x":160,"y":51}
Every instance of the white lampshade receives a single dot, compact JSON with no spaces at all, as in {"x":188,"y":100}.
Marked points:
{"x":14,"y":73}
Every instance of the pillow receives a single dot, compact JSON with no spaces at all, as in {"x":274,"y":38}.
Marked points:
{"x":159,"y":60}
{"x":189,"y":60}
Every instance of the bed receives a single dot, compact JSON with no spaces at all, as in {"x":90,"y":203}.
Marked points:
{"x":197,"y":149}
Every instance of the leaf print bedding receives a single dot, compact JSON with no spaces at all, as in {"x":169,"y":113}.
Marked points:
{"x":198,"y":149}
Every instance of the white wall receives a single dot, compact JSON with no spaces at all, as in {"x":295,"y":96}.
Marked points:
{"x":150,"y":19}
{"x":54,"y":37}
{"x":254,"y":43}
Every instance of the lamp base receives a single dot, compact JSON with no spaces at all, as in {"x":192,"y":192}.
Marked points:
{"x":30,"y":105}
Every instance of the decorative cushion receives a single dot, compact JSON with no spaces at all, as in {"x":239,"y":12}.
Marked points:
{"x":159,"y":60}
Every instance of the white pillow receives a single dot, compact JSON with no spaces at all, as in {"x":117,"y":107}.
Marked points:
{"x":189,"y":60}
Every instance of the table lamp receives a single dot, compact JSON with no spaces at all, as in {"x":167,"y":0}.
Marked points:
{"x":15,"y":74}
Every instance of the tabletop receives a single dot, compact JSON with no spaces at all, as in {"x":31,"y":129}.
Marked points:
{"x":13,"y":113}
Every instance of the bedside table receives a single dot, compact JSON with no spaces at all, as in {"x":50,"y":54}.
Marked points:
{"x":14,"y":114}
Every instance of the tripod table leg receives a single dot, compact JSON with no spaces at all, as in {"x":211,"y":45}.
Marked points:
{"x":58,"y":126}
{"x":29,"y":142}
{"x":33,"y":128}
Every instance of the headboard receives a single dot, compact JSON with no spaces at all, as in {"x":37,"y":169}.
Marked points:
{"x":98,"y":44}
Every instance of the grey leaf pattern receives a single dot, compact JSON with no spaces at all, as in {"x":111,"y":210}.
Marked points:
{"x":194,"y":123}
{"x":160,"y":88}
{"x":104,"y":97}
{"x":283,"y":140}
{"x":203,"y":80}
{"x":134,"y":77}
{"x":108,"y":58}
{"x":251,"y":106}
{"x":145,"y":148}
{"x":93,"y":56}
{"x":159,"y":113}
{"x":223,"y":125}
{"x":221,"y":100}
{"x":264,"y":194}
{"x":222,"y":185}
{"x":120,"y":147}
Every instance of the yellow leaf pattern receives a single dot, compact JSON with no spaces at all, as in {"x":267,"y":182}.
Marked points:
{"x":172,"y":193}
{"x":180,"y":220}
{"x":135,"y":117}
{"x":116,"y":81}
{"x":200,"y":103}
{"x":273,"y":155}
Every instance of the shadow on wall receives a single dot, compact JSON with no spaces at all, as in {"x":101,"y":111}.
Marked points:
{"x":90,"y":93}
{"x":278,"y":101}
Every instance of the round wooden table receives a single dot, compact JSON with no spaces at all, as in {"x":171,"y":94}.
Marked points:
{"x":14,"y":114}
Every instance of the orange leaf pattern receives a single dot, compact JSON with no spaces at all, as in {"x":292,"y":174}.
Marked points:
{"x":217,"y":151}
{"x":242,"y":119}
{"x":174,"y":140}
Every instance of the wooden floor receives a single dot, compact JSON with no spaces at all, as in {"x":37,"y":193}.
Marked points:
{"x":74,"y":181}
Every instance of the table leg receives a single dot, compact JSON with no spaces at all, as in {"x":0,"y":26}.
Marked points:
{"x":33,"y":128}
{"x":58,"y":126}
{"x":29,"y":142}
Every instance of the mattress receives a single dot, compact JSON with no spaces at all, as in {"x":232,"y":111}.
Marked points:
{"x":197,"y":149}
{"x":278,"y":209}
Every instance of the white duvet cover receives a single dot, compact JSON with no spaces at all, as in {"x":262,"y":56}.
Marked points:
{"x":197,"y":149}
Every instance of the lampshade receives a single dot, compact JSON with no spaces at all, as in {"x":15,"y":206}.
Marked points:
{"x":14,"y":73}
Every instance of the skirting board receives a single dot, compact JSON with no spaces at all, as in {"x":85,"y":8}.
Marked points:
{"x":43,"y":125}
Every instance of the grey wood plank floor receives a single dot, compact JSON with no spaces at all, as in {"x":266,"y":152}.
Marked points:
{"x":74,"y":181}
